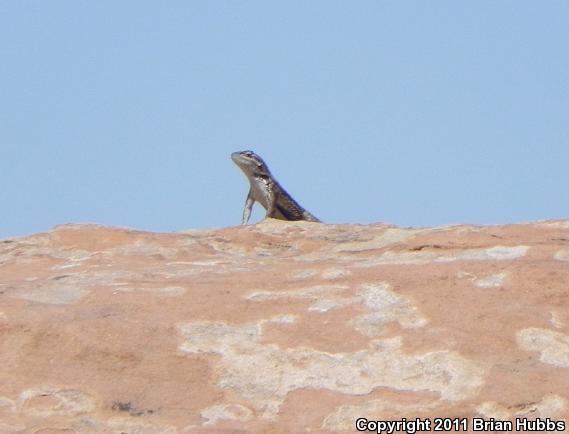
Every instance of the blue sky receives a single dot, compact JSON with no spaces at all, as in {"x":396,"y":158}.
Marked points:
{"x":410,"y":112}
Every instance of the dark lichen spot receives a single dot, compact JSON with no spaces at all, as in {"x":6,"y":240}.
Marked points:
{"x":122,"y":406}
{"x":130,"y":409}
{"x":62,"y":276}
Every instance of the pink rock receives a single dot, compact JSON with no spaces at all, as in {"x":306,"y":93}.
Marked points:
{"x":282,"y":327}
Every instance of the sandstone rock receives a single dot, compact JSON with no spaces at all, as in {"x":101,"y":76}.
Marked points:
{"x":281,"y":327}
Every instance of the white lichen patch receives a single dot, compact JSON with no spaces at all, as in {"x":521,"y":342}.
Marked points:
{"x":303,"y":274}
{"x":77,"y":258}
{"x":227,"y":248}
{"x":562,"y":255}
{"x":71,"y":255}
{"x":66,"y":265}
{"x":28,"y":249}
{"x":169,"y":291}
{"x":48,"y":401}
{"x":284,"y":319}
{"x":127,"y":425}
{"x":388,"y":237}
{"x":327,"y":304}
{"x":312,"y":292}
{"x":264,"y":373}
{"x":466,"y":275}
{"x":553,"y":346}
{"x":328,"y":273}
{"x":560,"y":224}
{"x":234,"y":412}
{"x":172,"y":291}
{"x":7,"y":403}
{"x":496,"y":253}
{"x":185,"y":264}
{"x":335,"y":273}
{"x":142,"y":248}
{"x":344,"y":417}
{"x":385,"y":306}
{"x":50,"y":293}
{"x":492,"y":281}
{"x":556,"y":319}
{"x":325,"y":297}
{"x":66,"y":288}
{"x":189,"y":269}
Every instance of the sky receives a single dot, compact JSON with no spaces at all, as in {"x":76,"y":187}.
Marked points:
{"x":412,"y":113}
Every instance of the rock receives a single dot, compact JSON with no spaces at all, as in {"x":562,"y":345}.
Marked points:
{"x":282,"y":327}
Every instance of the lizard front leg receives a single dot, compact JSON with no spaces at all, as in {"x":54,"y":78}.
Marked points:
{"x":272,"y":198}
{"x":248,"y":206}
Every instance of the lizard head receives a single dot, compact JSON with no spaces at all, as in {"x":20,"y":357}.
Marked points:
{"x":250,"y":163}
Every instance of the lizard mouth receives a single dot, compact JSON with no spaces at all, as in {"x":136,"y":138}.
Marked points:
{"x":250,"y":163}
{"x":238,"y":158}
{"x":242,"y":159}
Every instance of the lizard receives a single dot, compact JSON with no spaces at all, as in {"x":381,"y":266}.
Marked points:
{"x":265,"y":189}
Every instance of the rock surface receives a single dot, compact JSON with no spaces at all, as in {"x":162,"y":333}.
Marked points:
{"x":281,"y":327}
